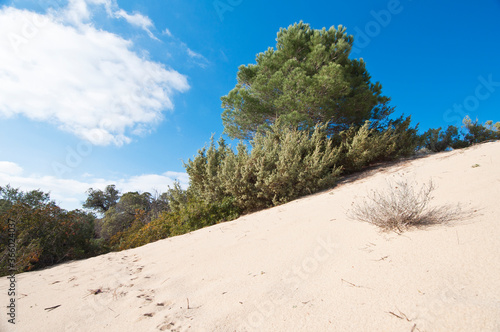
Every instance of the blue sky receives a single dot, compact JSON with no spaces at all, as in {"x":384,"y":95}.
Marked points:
{"x":95,"y":92}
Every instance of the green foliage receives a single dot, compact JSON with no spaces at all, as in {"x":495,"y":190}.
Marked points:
{"x":132,"y":221}
{"x":10,"y":196}
{"x":307,"y":80}
{"x":284,"y":163}
{"x":121,"y":215}
{"x":196,"y":214}
{"x":359,"y":147}
{"x":45,"y":234}
{"x":176,"y":197}
{"x":478,"y":133}
{"x":138,"y":235}
{"x":158,"y":204}
{"x":437,"y":140}
{"x":205,"y":170}
{"x":101,"y":201}
{"x":189,"y":215}
{"x":404,"y":138}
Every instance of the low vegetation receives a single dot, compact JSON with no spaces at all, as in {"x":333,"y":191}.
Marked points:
{"x":45,"y":234}
{"x":401,"y":206}
{"x":283,"y":164}
{"x":437,"y":140}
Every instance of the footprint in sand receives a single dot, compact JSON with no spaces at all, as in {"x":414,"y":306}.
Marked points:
{"x":176,"y":323}
{"x":147,"y":295}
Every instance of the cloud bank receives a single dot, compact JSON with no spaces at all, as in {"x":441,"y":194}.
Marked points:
{"x":58,"y":68}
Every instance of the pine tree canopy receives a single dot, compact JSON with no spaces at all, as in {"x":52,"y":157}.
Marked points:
{"x":308,"y":79}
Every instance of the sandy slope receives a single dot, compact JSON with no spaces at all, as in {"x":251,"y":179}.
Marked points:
{"x":303,"y":266}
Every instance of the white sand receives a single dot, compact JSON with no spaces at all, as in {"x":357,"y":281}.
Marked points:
{"x":302,"y":266}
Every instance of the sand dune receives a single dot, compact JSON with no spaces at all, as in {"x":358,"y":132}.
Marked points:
{"x":302,"y":266}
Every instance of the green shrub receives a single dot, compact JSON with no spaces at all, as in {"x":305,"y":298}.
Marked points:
{"x":359,"y":147}
{"x":437,"y":140}
{"x":46,"y":235}
{"x":193,"y":214}
{"x":477,"y":133}
{"x":138,"y":235}
{"x":121,"y":215}
{"x":284,"y":163}
{"x":290,"y":163}
{"x":197,"y":214}
{"x":404,"y":139}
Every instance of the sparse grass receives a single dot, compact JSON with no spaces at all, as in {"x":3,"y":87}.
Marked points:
{"x":401,"y":207}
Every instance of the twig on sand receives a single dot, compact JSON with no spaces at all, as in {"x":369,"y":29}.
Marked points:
{"x":353,"y":285}
{"x":402,"y":313}
{"x":398,"y":316}
{"x":52,"y":308}
{"x":350,"y":283}
{"x":94,"y":292}
{"x":189,"y":307}
{"x":390,"y":312}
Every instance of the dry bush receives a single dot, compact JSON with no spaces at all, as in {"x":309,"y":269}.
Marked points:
{"x":403,"y":206}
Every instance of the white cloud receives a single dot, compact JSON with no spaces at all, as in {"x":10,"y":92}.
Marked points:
{"x":70,"y":194}
{"x":193,"y":54}
{"x":77,"y":12}
{"x":138,"y":20}
{"x":151,"y":182}
{"x":86,"y":81}
{"x":10,"y":168}
{"x":167,"y":32}
{"x":199,"y":59}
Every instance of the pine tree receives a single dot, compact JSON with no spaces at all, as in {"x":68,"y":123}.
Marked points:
{"x":308,"y":79}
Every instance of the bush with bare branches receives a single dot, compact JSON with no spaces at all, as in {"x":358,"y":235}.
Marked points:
{"x":401,"y":207}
